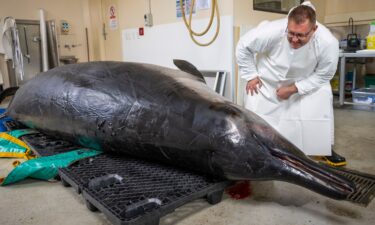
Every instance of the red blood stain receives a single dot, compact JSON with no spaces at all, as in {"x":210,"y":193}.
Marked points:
{"x":240,"y":190}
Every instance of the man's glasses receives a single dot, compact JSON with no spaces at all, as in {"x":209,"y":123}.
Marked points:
{"x":300,"y":36}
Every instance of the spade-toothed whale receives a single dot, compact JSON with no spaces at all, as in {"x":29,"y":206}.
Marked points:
{"x":166,"y":115}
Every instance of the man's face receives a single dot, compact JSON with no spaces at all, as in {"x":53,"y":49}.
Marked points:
{"x":299,"y":34}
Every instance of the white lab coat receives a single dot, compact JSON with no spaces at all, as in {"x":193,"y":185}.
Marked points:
{"x":306,"y":118}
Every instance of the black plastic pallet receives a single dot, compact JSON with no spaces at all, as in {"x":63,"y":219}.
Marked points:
{"x":13,"y":125}
{"x":132,"y":191}
{"x":41,"y":144}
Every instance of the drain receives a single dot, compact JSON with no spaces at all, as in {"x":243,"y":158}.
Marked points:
{"x":365,"y":185}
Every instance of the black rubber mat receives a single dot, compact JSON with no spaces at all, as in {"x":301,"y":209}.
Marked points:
{"x":132,"y":191}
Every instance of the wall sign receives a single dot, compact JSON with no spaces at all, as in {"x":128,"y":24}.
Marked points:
{"x":203,"y":4}
{"x":186,"y":4}
{"x":112,"y":12}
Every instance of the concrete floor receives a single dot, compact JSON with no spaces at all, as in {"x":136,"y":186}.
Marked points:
{"x":38,"y":202}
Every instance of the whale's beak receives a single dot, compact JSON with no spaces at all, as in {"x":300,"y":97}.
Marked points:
{"x":302,"y":171}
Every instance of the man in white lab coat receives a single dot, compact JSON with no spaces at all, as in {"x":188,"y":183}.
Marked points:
{"x":288,"y":64}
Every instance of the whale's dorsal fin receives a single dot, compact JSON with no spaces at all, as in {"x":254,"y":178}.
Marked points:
{"x":188,"y":68}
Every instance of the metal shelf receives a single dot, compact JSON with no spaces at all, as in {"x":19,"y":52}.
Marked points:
{"x":343,"y":57}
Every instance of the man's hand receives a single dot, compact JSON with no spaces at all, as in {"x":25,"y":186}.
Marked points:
{"x":253,"y":85}
{"x":285,"y":92}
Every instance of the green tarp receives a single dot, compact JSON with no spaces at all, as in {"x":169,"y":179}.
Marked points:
{"x":46,"y":168}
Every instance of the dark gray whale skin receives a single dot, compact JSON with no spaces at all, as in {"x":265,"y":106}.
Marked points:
{"x":169,"y":116}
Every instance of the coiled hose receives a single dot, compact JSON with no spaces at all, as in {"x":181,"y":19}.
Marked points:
{"x":192,"y":33}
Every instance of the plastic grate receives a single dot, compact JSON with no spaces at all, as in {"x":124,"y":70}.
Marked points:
{"x":365,"y":185}
{"x":41,"y":144}
{"x":133,"y":191}
{"x":44,"y":145}
{"x":14,"y":125}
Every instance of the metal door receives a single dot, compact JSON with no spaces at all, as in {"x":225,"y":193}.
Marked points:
{"x":29,"y":36}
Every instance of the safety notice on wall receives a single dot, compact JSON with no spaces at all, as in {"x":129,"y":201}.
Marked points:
{"x":113,"y":23}
{"x":203,"y":4}
{"x":186,"y":5}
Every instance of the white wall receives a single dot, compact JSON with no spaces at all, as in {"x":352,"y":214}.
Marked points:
{"x":163,"y":43}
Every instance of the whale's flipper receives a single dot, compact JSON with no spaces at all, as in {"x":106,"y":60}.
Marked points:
{"x":188,"y":68}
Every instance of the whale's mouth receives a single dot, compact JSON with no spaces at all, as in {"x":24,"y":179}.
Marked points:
{"x":311,"y":172}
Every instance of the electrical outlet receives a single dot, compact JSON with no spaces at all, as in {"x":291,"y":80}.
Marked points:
{"x":148,"y":20}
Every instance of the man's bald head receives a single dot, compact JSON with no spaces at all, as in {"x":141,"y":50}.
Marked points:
{"x":302,"y":13}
